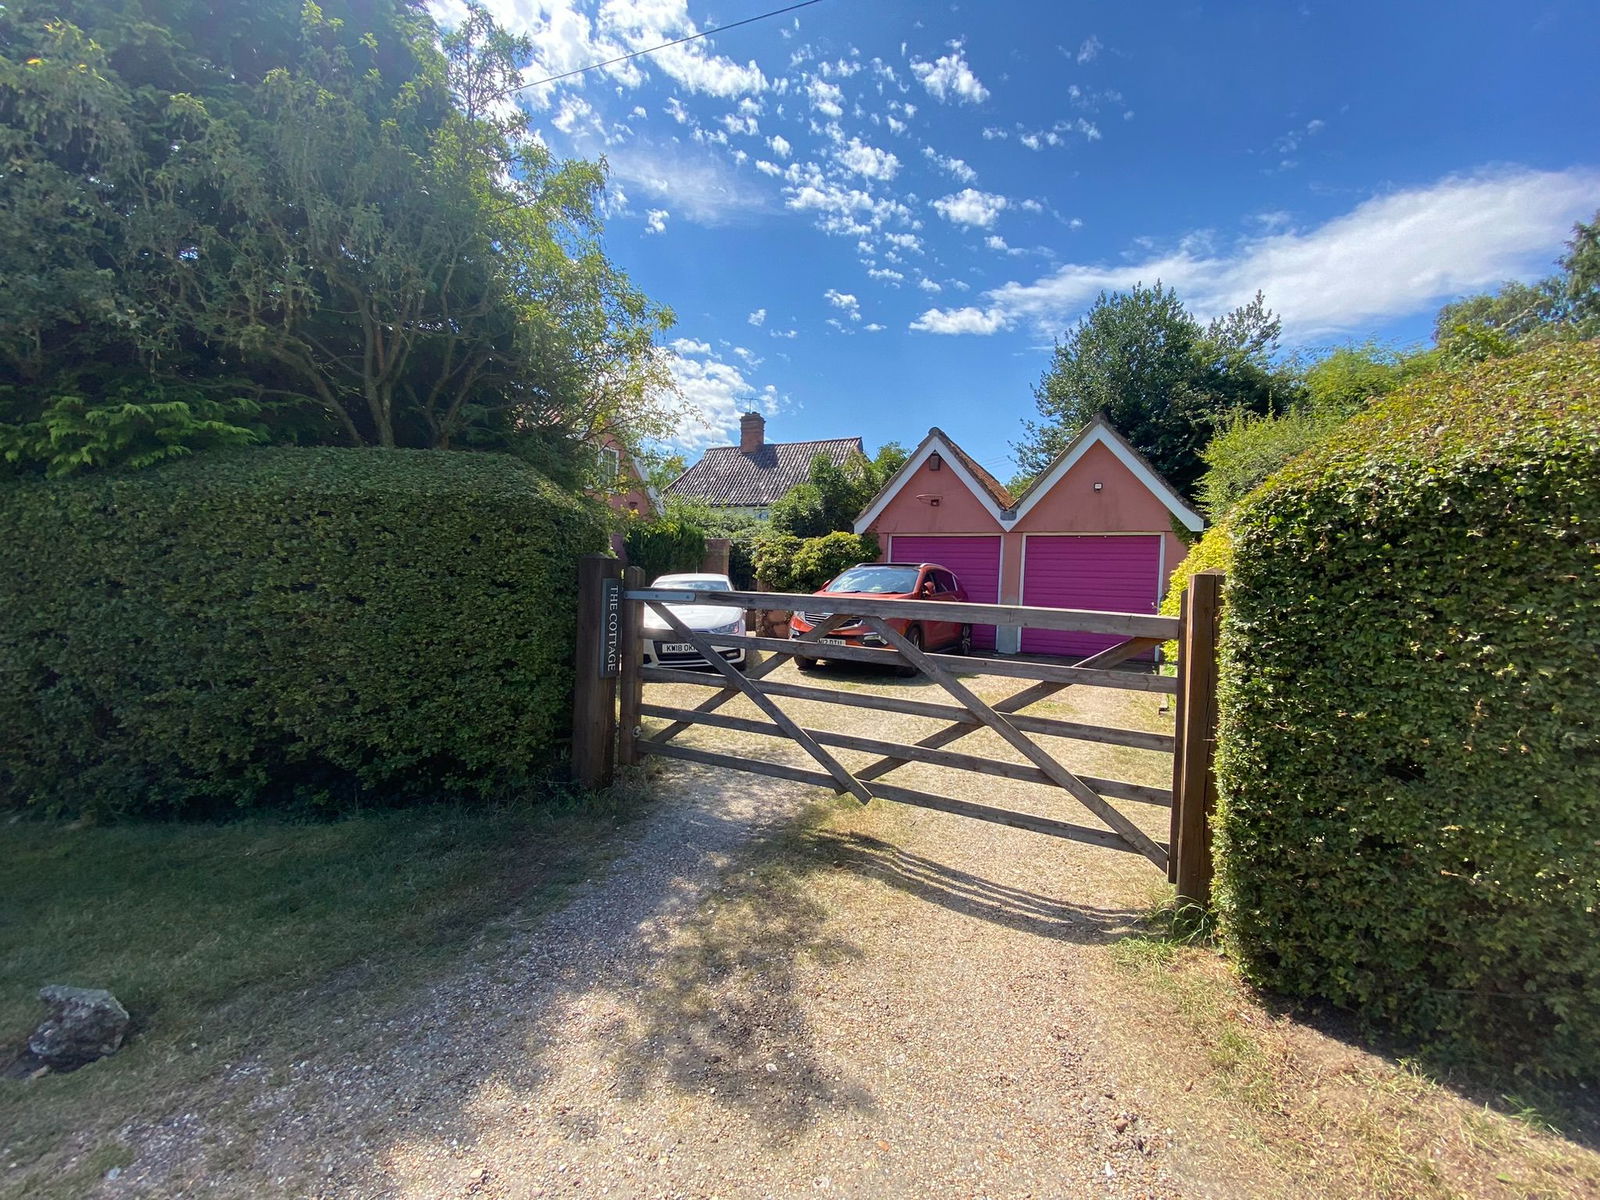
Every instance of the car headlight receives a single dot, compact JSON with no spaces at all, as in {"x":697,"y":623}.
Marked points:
{"x":734,"y":626}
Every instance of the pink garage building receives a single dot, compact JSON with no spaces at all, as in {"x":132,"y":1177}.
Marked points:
{"x":1094,"y":531}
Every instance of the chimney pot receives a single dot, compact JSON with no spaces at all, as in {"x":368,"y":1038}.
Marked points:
{"x":752,"y":432}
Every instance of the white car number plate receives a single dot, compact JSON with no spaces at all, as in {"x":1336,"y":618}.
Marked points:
{"x":833,"y":641}
{"x":676,"y":648}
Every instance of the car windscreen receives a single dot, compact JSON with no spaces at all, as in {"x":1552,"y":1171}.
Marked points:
{"x":693,"y":585}
{"x":883,"y":580}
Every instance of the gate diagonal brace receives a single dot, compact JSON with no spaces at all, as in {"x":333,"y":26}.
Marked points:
{"x":1109,"y":657}
{"x":1023,"y":744}
{"x":847,"y":782}
{"x":761,"y":671}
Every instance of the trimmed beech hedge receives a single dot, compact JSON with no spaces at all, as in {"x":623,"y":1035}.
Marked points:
{"x":286,"y":627}
{"x":1409,"y":754}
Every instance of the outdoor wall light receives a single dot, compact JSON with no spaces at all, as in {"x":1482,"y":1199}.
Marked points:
{"x":1099,"y":486}
{"x":934,"y":462}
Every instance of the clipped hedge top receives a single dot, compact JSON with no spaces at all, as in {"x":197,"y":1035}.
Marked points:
{"x":333,"y":471}
{"x":1546,"y":401}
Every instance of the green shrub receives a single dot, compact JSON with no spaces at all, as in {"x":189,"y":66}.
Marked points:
{"x":278,"y":627}
{"x":670,"y":543}
{"x":1409,"y":757}
{"x":790,"y":564}
{"x":1213,"y":552}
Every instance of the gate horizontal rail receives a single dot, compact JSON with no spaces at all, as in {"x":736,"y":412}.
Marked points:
{"x":1132,"y":681}
{"x":1072,"y":620}
{"x":1110,"y":735}
{"x":942,"y":758}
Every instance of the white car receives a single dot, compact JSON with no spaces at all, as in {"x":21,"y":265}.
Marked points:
{"x":664,"y":648}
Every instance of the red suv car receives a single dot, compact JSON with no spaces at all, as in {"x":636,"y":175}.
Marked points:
{"x":890,"y":581}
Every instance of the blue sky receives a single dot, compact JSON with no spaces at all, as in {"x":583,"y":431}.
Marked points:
{"x":874,"y":217}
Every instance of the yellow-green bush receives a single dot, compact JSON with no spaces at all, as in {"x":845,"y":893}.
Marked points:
{"x":280,"y":627}
{"x":1409,"y":755}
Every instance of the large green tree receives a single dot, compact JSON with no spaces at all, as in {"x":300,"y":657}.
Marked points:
{"x":1164,"y":380}
{"x":333,"y":217}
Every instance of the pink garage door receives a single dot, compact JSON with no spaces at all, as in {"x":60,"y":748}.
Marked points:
{"x":1108,"y":572}
{"x":975,"y":561}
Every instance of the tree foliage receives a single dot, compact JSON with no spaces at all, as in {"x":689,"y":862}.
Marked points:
{"x":332,"y":212}
{"x":1249,"y":447}
{"x":793,"y":564}
{"x":834,"y":494}
{"x":1160,"y":377}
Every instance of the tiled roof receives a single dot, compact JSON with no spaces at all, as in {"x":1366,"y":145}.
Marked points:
{"x":993,"y":486}
{"x":726,"y":477}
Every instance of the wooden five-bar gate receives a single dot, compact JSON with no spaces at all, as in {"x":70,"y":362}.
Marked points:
{"x":610,"y":706}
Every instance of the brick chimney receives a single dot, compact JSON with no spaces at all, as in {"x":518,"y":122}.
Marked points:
{"x":752,"y":432}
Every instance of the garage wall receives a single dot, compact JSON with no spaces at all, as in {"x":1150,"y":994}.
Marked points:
{"x":1122,"y":505}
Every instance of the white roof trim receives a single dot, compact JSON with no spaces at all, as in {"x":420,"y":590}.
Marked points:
{"x":1097,"y":432}
{"x":933,"y":444}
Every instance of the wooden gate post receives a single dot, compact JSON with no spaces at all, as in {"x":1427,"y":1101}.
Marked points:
{"x":594,"y":699}
{"x":1194,"y":781}
{"x":630,"y":683}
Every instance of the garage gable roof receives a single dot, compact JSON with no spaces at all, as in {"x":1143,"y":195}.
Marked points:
{"x":1100,"y":432}
{"x":985,"y":487}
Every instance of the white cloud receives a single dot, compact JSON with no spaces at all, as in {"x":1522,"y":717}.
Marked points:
{"x":841,"y":210}
{"x":1391,"y":256}
{"x":874,"y":328}
{"x":758,"y":318}
{"x":949,"y":78}
{"x":867,"y":161}
{"x":971,"y":207}
{"x":1090,"y":50}
{"x":784,"y":333}
{"x":767,"y":168}
{"x":566,"y":38}
{"x":780,"y":145}
{"x":655,"y":220}
{"x":887,"y":275}
{"x":955,"y":166}
{"x":928,"y":285}
{"x":717,"y":394}
{"x":958,"y":320}
{"x":826,"y":97}
{"x":844,"y":302}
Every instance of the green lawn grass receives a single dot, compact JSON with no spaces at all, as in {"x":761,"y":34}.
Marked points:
{"x":233,"y":939}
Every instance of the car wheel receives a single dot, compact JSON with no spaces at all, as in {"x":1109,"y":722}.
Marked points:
{"x":914,"y":636}
{"x":806,"y":664}
{"x":964,"y":642}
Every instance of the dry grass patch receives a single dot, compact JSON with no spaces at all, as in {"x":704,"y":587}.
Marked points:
{"x":1321,"y":1115}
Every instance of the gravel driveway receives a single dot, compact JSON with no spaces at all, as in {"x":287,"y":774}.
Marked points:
{"x":878,"y":1002}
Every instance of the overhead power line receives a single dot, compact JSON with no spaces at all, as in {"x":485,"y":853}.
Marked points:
{"x":777,"y":12}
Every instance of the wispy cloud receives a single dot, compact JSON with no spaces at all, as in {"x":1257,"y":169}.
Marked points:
{"x":701,"y":186}
{"x":1391,"y":256}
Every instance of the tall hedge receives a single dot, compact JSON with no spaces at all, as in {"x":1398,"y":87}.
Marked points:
{"x":1410,"y":744}
{"x":282,"y":627}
